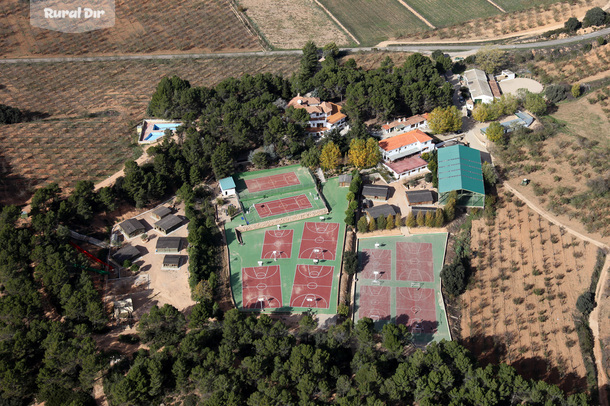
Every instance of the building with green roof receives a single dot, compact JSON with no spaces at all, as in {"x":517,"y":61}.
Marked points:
{"x":459,"y":169}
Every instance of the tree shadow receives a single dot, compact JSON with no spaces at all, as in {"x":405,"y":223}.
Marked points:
{"x":493,"y":350}
{"x":14,"y":187}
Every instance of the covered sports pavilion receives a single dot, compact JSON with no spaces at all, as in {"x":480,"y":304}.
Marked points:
{"x":459,"y":169}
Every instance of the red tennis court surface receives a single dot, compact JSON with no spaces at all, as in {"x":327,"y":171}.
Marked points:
{"x":312,"y":286}
{"x":281,"y":206}
{"x":319,"y":241}
{"x":272,"y":182}
{"x":376,"y":260}
{"x":374,"y":303}
{"x":261,"y":287}
{"x":414,"y":262}
{"x":277,"y":244}
{"x":416,"y":308}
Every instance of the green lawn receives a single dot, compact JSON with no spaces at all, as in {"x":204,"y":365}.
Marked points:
{"x":443,"y":13}
{"x":516,"y":5}
{"x":249,"y":254}
{"x":373,"y":21}
{"x":439,"y":242}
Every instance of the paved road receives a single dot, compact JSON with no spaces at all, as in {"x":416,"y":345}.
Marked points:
{"x":409,"y":48}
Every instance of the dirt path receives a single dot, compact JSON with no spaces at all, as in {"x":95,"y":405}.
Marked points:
{"x":337,"y":21}
{"x":110,"y":180}
{"x":421,"y":17}
{"x":602,"y":379}
{"x":496,"y":6}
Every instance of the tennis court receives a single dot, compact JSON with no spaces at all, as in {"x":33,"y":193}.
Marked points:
{"x":416,"y":308}
{"x":376,"y":260}
{"x":272,"y":182}
{"x":414,"y":262}
{"x":374,"y":302}
{"x":319,"y":241}
{"x":312,"y":286}
{"x":261,"y":287}
{"x":277,"y":244}
{"x":282,"y":206}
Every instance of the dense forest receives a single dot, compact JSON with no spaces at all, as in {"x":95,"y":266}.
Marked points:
{"x":50,"y":309}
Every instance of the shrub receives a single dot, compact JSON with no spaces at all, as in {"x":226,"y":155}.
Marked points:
{"x":260,"y":160}
{"x":389,"y":222}
{"x":381,"y":223}
{"x":556,"y":93}
{"x":575,"y":90}
{"x":595,"y":16}
{"x":362,"y":225}
{"x":538,"y":291}
{"x":372,"y":225}
{"x":421,"y":219}
{"x":350,"y":262}
{"x":586,"y":303}
{"x":454,"y":277}
{"x":411,"y":221}
{"x":572,"y":24}
{"x":10,"y":115}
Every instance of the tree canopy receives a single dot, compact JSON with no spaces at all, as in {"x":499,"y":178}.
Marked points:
{"x":443,"y":120}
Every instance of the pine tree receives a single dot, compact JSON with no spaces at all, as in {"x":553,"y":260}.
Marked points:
{"x":411,"y":222}
{"x":363,"y":225}
{"x":372,"y":225}
{"x":389,"y":223}
{"x":381,"y":223}
{"x":398,"y":221}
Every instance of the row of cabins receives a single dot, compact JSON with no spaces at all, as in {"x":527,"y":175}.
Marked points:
{"x":166,"y":222}
{"x":165,"y":245}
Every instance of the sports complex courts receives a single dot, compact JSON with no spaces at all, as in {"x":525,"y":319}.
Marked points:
{"x":305,"y":253}
{"x":399,"y":281}
{"x":275,"y":193}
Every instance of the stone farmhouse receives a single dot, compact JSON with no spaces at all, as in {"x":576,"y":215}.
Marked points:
{"x":323,"y":116}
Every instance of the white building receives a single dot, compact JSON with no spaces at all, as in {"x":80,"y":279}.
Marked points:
{"x":323,"y":116}
{"x":399,"y":146}
{"x":479,"y":88}
{"x":227,"y":186}
{"x":405,"y":124}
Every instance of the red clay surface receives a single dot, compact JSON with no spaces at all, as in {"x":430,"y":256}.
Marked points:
{"x":281,"y":206}
{"x":414,"y":262}
{"x":272,"y":182}
{"x":416,"y":308}
{"x":261,"y":282}
{"x":376,"y":260}
{"x":374,"y":303}
{"x":319,"y":241}
{"x":279,"y":241}
{"x":312,"y":286}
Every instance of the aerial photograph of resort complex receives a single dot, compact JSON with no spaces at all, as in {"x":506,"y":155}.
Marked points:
{"x":304,"y":202}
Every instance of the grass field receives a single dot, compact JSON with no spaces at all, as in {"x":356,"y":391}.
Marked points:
{"x":392,"y":283}
{"x":141,"y":27}
{"x":515,"y":5}
{"x":68,"y":93}
{"x":248,"y":255}
{"x":453,"y":11}
{"x":372,"y":21}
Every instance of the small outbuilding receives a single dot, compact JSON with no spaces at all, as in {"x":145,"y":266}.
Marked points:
{"x":227,"y":186}
{"x":418,"y":197}
{"x":132,"y":227}
{"x":168,"y":224}
{"x":345,"y":180}
{"x":422,"y":209}
{"x":127,"y":253}
{"x":172,"y":261}
{"x":376,"y":192}
{"x":160,"y":212}
{"x":383,"y":210}
{"x":168,"y":244}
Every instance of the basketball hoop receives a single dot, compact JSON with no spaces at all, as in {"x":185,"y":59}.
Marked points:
{"x":279,"y":226}
{"x":322,"y":218}
{"x":315,"y":261}
{"x":310,"y":301}
{"x":261,"y":300}
{"x":275,"y":255}
{"x":377,"y":245}
{"x":260,"y":263}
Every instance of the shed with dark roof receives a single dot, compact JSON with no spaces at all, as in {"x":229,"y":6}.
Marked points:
{"x":168,"y":244}
{"x":345,"y":180}
{"x":383,"y":210}
{"x":132,"y":227}
{"x":168,"y":224}
{"x":417,"y":197}
{"x":376,"y":192}
{"x":127,"y":253}
{"x":172,"y":261}
{"x":160,"y":212}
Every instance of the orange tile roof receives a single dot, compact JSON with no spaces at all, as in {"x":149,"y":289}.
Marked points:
{"x":392,"y":143}
{"x":336,"y":114}
{"x":418,"y":118}
{"x":305,"y":101}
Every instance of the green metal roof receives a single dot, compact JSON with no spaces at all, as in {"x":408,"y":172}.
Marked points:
{"x":459,"y":168}
{"x":227,"y":183}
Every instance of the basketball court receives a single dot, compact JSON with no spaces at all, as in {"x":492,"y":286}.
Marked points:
{"x":261,"y":287}
{"x":272,"y":182}
{"x":312,"y":286}
{"x":376,"y":260}
{"x":319,"y":241}
{"x":277,"y":244}
{"x":414,"y":262}
{"x":374,"y":302}
{"x":281,"y":206}
{"x":416,"y":308}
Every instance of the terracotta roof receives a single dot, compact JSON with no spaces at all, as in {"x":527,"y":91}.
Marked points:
{"x":406,"y":164}
{"x":392,"y":143}
{"x":495,"y":89}
{"x":336,"y":114}
{"x":305,"y":101}
{"x":316,"y":129}
{"x":418,"y":118}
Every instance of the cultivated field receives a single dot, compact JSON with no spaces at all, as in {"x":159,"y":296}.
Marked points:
{"x":290,"y":24}
{"x":372,"y":21}
{"x":515,"y":5}
{"x":528,"y":21}
{"x":141,"y":27}
{"x":69,"y":93}
{"x":520,"y":305}
{"x":453,"y":11}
